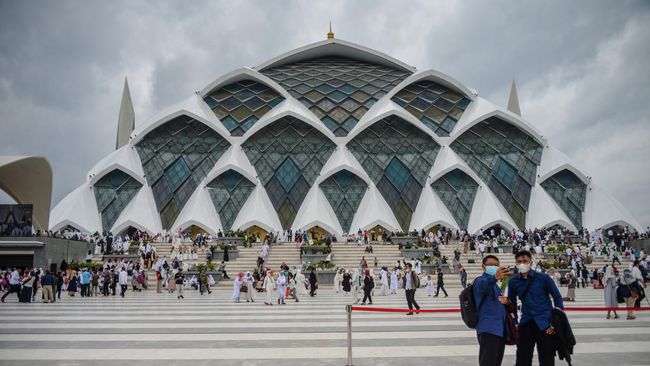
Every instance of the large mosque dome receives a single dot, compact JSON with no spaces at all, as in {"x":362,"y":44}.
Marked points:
{"x":341,"y":137}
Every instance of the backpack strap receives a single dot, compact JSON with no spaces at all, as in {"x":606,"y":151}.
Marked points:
{"x":482,"y":300}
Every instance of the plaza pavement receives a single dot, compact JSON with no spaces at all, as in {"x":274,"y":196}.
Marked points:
{"x":157,"y":329}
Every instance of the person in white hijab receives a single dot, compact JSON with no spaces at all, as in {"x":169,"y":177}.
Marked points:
{"x":300,"y":282}
{"x":236,"y":287}
{"x":394,"y":280}
{"x":338,"y":278}
{"x":357,"y":285}
{"x":269,"y":286}
{"x":384,"y":282}
{"x":249,"y":281}
{"x":281,"y":284}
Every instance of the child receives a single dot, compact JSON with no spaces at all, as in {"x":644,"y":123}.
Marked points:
{"x":429,"y":285}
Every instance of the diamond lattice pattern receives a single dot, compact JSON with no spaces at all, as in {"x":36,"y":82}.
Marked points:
{"x":229,"y":191}
{"x":338,"y":90}
{"x":569,"y":192}
{"x":506,"y":158}
{"x":344,"y":191}
{"x":288,"y":155}
{"x":435,"y":105}
{"x":176,"y":157}
{"x":239,"y":105}
{"x":398,"y":157}
{"x":457,"y":190}
{"x":112,"y":193}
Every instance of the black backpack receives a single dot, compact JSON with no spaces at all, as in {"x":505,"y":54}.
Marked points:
{"x":468,"y":310}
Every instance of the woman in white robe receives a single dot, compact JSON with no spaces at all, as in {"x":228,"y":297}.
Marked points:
{"x":269,"y":286}
{"x":357,"y":285}
{"x":337,"y":281}
{"x":384,"y":283}
{"x":249,"y":281}
{"x":300,"y":283}
{"x":236,"y":287}
{"x":125,"y":246}
{"x":394,"y":281}
{"x":281,"y":284}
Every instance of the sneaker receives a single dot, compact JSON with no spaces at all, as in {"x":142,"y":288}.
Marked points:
{"x":409,"y":313}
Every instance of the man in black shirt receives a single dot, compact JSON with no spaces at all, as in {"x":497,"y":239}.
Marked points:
{"x":440,"y":284}
{"x":179,"y":278}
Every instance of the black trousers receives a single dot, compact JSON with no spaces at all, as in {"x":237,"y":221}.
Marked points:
{"x":367,"y":295}
{"x":637,"y":303}
{"x":410,"y":299}
{"x":529,"y":336}
{"x":491,"y":348}
{"x":13,"y":289}
{"x":85,"y":290}
{"x":123,"y":290}
{"x":441,"y":287}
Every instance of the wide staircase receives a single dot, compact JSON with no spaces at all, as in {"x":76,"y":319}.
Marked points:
{"x":247,"y":259}
{"x":505,"y":259}
{"x":473,"y":269}
{"x":348,"y":255}
{"x":164,"y":250}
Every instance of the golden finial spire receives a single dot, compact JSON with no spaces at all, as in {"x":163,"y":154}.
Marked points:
{"x":330,"y":34}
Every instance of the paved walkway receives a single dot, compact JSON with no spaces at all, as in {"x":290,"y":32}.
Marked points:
{"x":145,"y":328}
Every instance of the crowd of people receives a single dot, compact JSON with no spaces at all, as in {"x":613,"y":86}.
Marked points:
{"x":495,"y":293}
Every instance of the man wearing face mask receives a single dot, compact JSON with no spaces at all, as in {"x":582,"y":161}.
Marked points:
{"x":533,"y":289}
{"x":490,"y":329}
{"x":411,"y":283}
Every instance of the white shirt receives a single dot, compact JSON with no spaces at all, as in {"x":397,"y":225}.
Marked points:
{"x":14,"y":279}
{"x":123,"y":278}
{"x":408,"y":285}
{"x":636,"y":272}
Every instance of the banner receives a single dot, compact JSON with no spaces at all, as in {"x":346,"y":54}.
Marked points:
{"x":16,"y":220}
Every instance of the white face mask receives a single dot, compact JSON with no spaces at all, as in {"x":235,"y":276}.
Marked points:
{"x":523,"y":267}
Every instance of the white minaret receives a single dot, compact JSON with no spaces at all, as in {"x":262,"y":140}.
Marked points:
{"x":126,"y":119}
{"x":513,"y":101}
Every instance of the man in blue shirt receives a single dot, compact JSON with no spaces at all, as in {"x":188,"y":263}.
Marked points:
{"x":490,"y":329}
{"x":534,"y":289}
{"x":85,"y":282}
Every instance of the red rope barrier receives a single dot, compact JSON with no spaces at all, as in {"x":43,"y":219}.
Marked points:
{"x":457,"y":310}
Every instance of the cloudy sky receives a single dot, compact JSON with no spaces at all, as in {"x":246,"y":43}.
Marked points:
{"x":582,"y":68}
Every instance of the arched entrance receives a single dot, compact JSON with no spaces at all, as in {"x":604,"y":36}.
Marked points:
{"x":256,"y":232}
{"x":194,"y":230}
{"x":130,"y":231}
{"x":317,"y":232}
{"x":498,"y":230}
{"x":377,"y":233}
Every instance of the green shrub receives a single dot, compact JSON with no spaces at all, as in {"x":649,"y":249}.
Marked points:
{"x":316,"y":249}
{"x":320,"y":265}
{"x":208,"y":267}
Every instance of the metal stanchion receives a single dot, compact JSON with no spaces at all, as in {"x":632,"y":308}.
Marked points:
{"x":348,"y":309}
